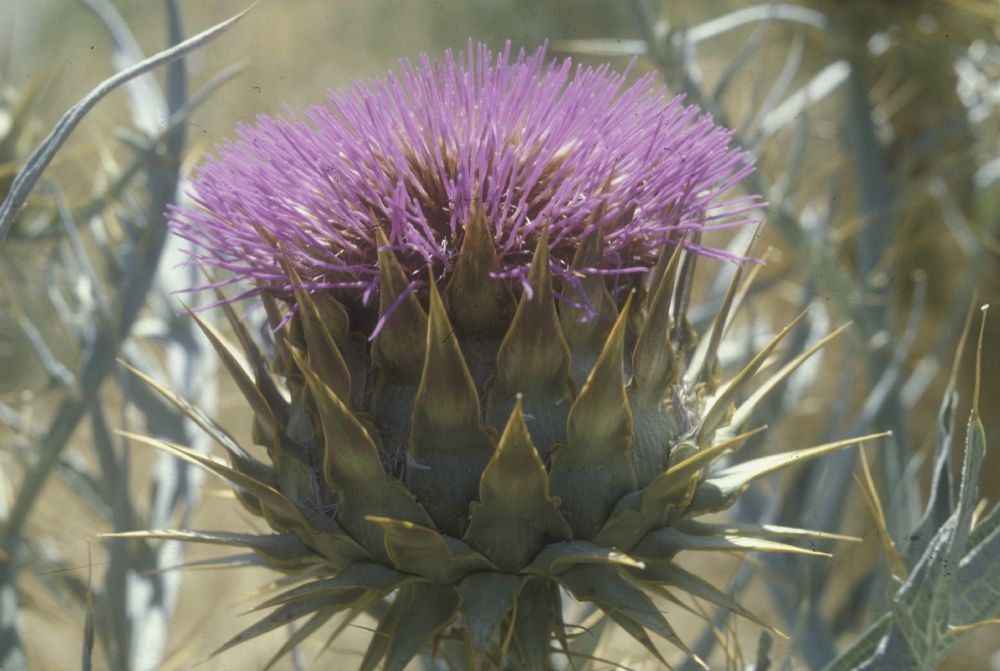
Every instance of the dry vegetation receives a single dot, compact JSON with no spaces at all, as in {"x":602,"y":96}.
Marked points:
{"x":294,"y":51}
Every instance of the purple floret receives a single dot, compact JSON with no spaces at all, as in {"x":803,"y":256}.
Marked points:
{"x":533,"y":143}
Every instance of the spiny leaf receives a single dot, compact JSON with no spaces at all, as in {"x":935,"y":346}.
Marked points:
{"x":670,"y":573}
{"x":327,"y":603}
{"x":240,"y":458}
{"x":486,"y":598}
{"x":985,"y":527}
{"x":668,"y":541}
{"x":242,"y":560}
{"x":723,"y":487}
{"x":324,"y":535}
{"x":283,"y":513}
{"x":896,"y":564}
{"x":419,"y":611}
{"x":655,"y":433}
{"x":744,"y":411}
{"x":277,"y":321}
{"x":325,"y":324}
{"x":370,"y":603}
{"x":655,"y":369}
{"x":949,"y":588}
{"x":675,"y":478}
{"x":533,"y":361}
{"x":353,"y":346}
{"x":584,"y":336}
{"x":261,"y":371}
{"x":854,"y":658}
{"x":446,"y":447}
{"x":605,"y":587}
{"x":480,"y":304}
{"x":638,"y":512}
{"x":932,"y":599}
{"x":703,"y":368}
{"x":941,"y":491}
{"x":397,"y":352}
{"x":398,"y":348}
{"x":322,"y":352}
{"x":301,"y":634}
{"x":719,"y":407}
{"x":969,"y":596}
{"x":297,"y":480}
{"x":682,"y":334}
{"x":973,"y":456}
{"x":420,"y":550}
{"x":248,"y":387}
{"x":654,"y":363}
{"x":353,"y":469}
{"x":637,"y":632}
{"x":561,"y":557}
{"x":515,"y":517}
{"x":338,"y":548}
{"x":977,"y":597}
{"x":759,"y":531}
{"x":276,"y":549}
{"x":351,"y":459}
{"x":534,"y":613}
{"x":596,"y":467}
{"x":374,"y":578}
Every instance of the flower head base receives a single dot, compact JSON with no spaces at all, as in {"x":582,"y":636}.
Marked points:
{"x":480,"y":448}
{"x":525,"y":144}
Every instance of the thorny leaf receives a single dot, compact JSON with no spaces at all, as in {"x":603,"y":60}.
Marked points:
{"x":952,"y":585}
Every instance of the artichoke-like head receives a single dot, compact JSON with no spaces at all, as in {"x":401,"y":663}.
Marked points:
{"x":484,"y":392}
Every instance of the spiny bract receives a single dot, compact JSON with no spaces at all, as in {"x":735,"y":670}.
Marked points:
{"x":484,"y":391}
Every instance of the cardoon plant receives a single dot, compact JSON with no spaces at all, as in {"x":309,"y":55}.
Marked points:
{"x":484,"y":393}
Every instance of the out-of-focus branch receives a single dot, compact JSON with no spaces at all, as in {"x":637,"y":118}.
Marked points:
{"x":46,"y":151}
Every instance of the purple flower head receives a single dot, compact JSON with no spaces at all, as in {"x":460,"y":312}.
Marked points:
{"x":525,"y":142}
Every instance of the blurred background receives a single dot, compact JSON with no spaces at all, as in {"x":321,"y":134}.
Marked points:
{"x":875,"y":123}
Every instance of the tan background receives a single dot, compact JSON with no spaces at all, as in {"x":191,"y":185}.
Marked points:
{"x":294,"y":52}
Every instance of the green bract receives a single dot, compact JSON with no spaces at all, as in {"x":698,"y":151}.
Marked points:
{"x":544,"y":456}
{"x":485,"y":393}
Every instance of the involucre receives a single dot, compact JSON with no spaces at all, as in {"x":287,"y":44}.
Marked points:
{"x":485,"y":391}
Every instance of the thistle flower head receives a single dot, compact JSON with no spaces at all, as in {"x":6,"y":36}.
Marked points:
{"x":470,"y":441}
{"x":524,"y":142}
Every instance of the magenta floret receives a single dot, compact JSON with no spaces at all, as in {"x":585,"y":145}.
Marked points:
{"x":536,"y":143}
